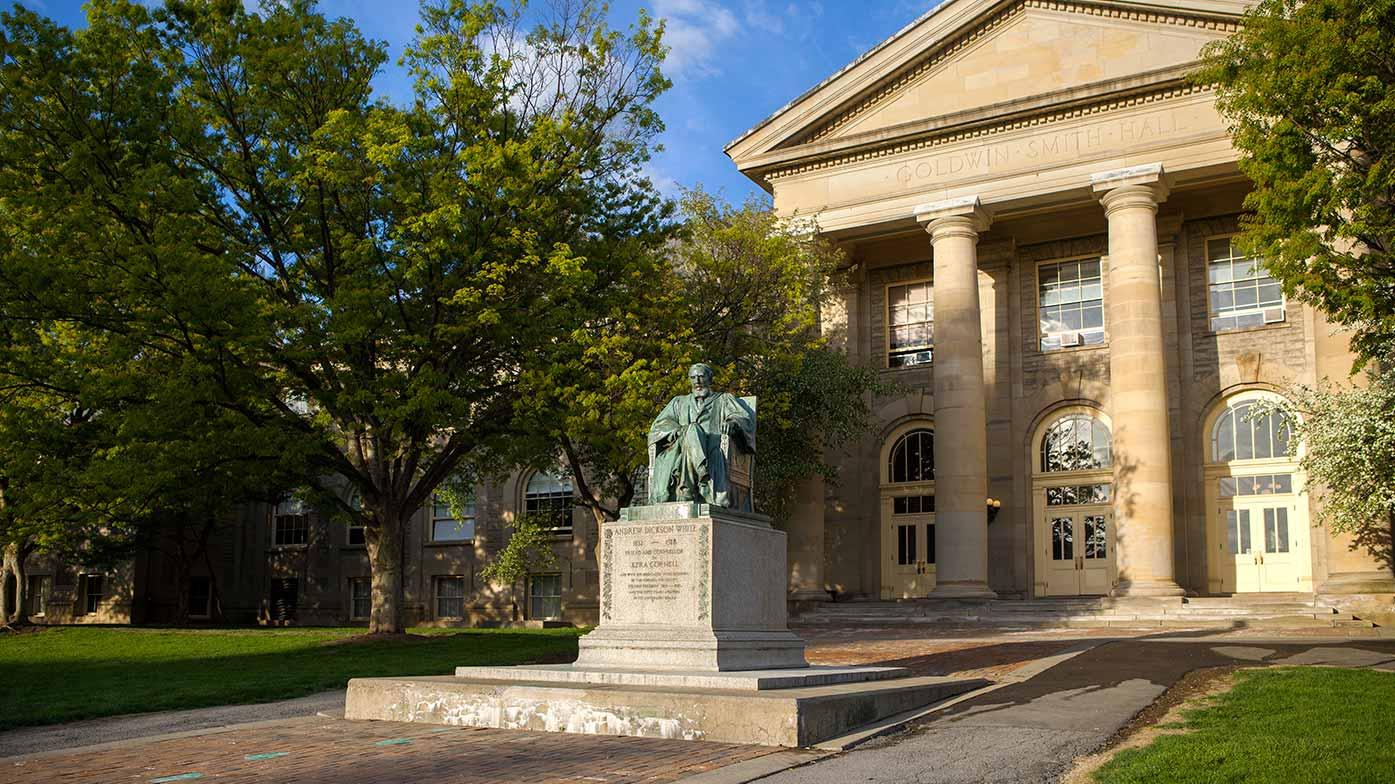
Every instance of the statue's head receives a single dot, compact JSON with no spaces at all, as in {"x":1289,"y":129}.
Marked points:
{"x":700,"y":375}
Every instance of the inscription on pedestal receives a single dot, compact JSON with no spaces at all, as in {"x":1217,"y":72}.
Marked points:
{"x":656,"y":573}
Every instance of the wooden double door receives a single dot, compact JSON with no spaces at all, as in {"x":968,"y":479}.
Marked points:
{"x":1076,"y":547}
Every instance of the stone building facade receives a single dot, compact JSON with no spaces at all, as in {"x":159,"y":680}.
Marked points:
{"x":1037,"y":209}
{"x":290,"y":564}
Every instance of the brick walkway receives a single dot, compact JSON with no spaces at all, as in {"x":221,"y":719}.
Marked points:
{"x":308,"y":751}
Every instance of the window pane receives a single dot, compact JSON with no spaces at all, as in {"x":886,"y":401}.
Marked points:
{"x":930,"y":541}
{"x":1095,"y":536}
{"x":1225,"y":438}
{"x":905,"y":545}
{"x":450,"y":530}
{"x":1245,"y":531}
{"x":1244,"y":437}
{"x":1281,"y":530}
{"x":1228,"y":487}
{"x":1062,"y":546}
{"x":1232,"y":532}
{"x":1283,"y":483}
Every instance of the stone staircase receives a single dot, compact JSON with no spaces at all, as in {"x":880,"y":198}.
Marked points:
{"x":1239,"y":611}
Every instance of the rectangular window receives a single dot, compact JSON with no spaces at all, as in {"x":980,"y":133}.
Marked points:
{"x":914,"y":504}
{"x":930,"y":543}
{"x":200,"y":597}
{"x":450,"y":597}
{"x":910,"y":323}
{"x":545,"y":596}
{"x":92,"y":587}
{"x":1076,"y":495}
{"x":1241,"y":293}
{"x":1062,"y":539}
{"x":446,"y":527}
{"x":905,"y":545}
{"x":290,"y":523}
{"x":360,"y":597}
{"x":1096,"y":537}
{"x":1238,"y":531}
{"x":358,"y":535}
{"x":36,"y":598}
{"x":1070,"y":300}
{"x":1264,"y":484}
{"x":1276,"y":530}
{"x":556,"y":506}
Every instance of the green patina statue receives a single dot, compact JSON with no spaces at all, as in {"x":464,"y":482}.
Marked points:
{"x":701,"y":447}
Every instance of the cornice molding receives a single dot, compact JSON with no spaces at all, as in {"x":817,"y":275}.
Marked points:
{"x":1174,"y":89}
{"x":934,"y":57}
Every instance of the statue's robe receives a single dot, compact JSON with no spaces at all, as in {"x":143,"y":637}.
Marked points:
{"x":686,"y":440}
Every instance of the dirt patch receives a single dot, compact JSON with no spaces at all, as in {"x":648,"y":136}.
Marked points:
{"x":1192,"y":691}
{"x":378,"y":637}
{"x":29,"y":629}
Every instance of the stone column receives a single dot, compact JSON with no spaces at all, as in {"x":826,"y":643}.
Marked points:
{"x":806,"y":543}
{"x":961,"y":421}
{"x":1138,"y":383}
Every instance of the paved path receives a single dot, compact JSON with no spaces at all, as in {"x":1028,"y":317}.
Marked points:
{"x":1033,"y":731}
{"x":144,"y":725}
{"x":1029,"y":728}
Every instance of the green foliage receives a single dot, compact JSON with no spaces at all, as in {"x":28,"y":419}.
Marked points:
{"x":1347,"y":441}
{"x":1309,"y":89}
{"x":1280,"y":725}
{"x":218,"y":188}
{"x":528,"y":550}
{"x":731,"y":286}
{"x":111,"y":671}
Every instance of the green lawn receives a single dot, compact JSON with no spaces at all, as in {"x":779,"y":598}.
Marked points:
{"x":64,"y":674}
{"x":1282,"y":725}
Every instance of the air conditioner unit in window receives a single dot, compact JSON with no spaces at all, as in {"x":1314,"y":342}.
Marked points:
{"x":1273,"y":315}
{"x":1070,"y":339}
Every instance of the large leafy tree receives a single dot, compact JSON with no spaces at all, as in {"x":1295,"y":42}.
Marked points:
{"x":734,"y":288}
{"x":1309,"y":89}
{"x":220,"y":187}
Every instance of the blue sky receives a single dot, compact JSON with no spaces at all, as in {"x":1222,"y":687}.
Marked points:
{"x":732,"y":63}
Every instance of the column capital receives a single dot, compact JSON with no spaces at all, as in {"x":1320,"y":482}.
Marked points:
{"x":1137,"y":186}
{"x":964,"y":216}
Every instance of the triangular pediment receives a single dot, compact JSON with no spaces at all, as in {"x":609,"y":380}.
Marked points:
{"x":971,"y":60}
{"x":1026,"y":51}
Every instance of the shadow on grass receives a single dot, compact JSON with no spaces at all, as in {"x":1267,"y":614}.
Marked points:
{"x":69,"y":674}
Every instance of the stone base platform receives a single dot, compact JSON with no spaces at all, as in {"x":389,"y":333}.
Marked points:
{"x":736,"y":680}
{"x":792,"y":717}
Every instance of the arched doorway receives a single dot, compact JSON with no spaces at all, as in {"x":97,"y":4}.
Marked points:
{"x":1257,"y":525}
{"x":908,"y":512}
{"x":1072,"y":489}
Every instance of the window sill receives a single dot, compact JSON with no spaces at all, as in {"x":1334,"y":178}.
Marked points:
{"x":359,"y":547}
{"x":1046,"y":352}
{"x":1256,"y":328}
{"x":282,"y":548}
{"x":460,"y":543}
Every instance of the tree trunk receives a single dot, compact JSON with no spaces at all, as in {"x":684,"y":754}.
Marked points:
{"x":385,"y":559}
{"x":12,"y":574}
{"x":215,"y":595}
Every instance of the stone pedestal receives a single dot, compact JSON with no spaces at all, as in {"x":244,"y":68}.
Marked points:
{"x":692,"y":644}
{"x":692,"y":587}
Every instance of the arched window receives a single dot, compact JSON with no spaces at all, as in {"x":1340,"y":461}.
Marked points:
{"x":550,"y":499}
{"x":1076,"y":442}
{"x":1242,"y":434}
{"x":913,"y":457}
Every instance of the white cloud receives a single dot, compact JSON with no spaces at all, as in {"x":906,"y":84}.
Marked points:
{"x":694,"y":30}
